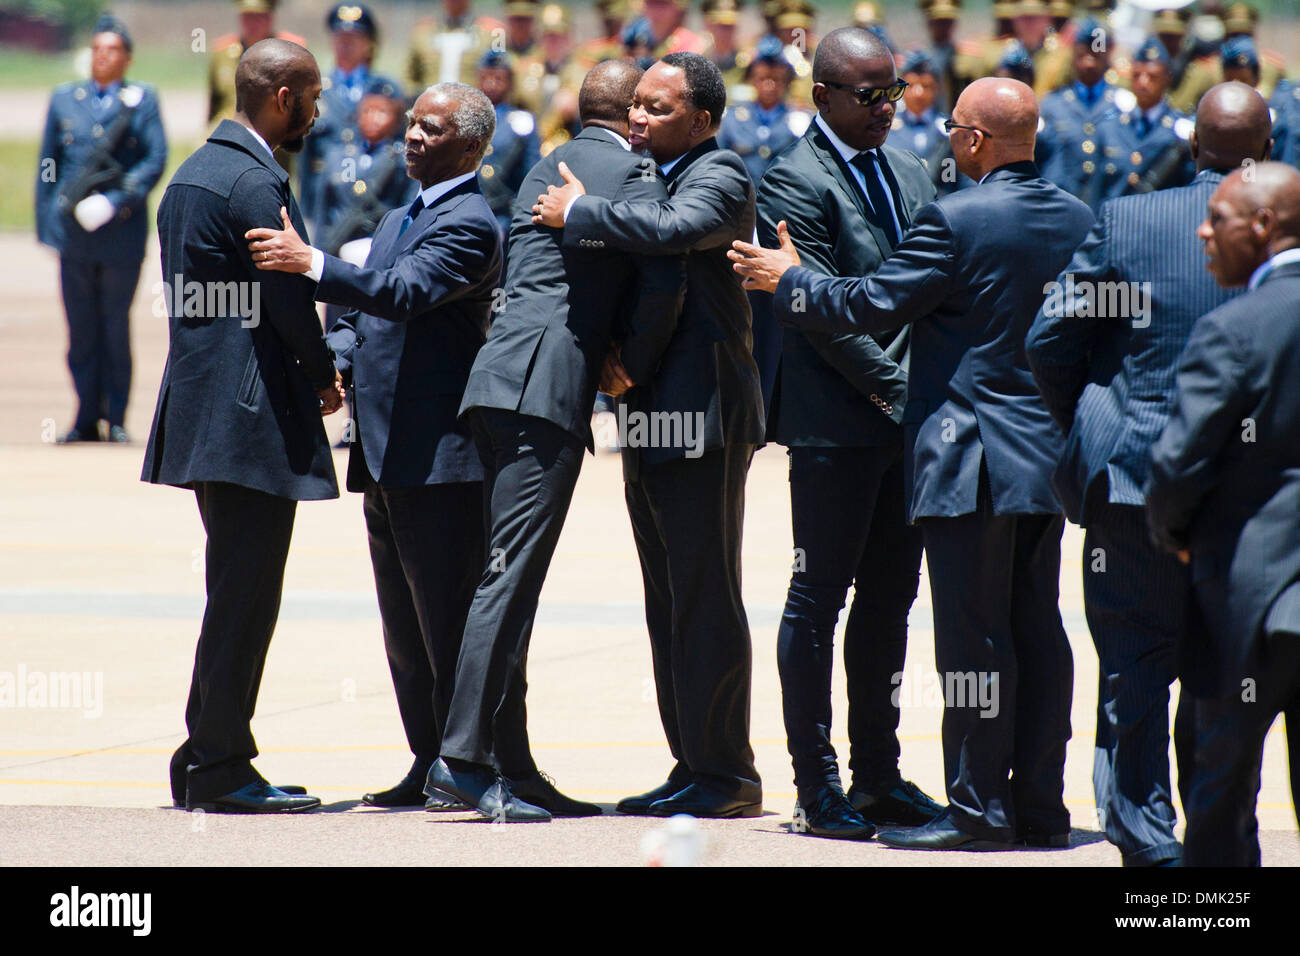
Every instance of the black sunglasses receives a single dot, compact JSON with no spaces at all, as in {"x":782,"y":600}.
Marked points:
{"x":871,"y":95}
{"x":949,"y":126}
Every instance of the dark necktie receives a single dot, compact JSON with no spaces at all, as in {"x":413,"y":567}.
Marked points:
{"x":1143,"y":125}
{"x":866,"y":162}
{"x":411,"y":213}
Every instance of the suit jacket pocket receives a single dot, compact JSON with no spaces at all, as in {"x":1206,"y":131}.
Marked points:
{"x":248,"y":385}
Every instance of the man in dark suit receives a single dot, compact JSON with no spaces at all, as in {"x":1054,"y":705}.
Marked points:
{"x":1104,"y":349}
{"x":103,"y":150}
{"x":692,"y":429}
{"x":837,"y":406}
{"x":421,"y":305}
{"x":529,"y":401}
{"x":969,"y":276}
{"x":238,"y":419}
{"x":1224,"y":493}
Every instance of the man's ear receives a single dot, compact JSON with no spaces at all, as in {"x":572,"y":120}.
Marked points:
{"x":1193,"y":144}
{"x":1263,"y":225}
{"x":1268,"y":151}
{"x":701,"y":122}
{"x":284,"y":99}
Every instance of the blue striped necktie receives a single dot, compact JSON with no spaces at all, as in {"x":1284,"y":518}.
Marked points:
{"x":416,"y":207}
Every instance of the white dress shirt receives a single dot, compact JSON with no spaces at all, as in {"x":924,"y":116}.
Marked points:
{"x":1281,"y":259}
{"x":429,"y":196}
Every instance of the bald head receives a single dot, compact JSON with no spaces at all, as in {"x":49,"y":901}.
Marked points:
{"x":840,"y":51}
{"x":267,"y":66}
{"x":1004,"y":114}
{"x":276,"y":86}
{"x":1253,"y":215}
{"x":1233,"y":125}
{"x":606,"y":94}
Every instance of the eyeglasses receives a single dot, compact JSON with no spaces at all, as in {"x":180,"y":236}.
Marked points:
{"x":871,"y":95}
{"x":949,"y":126}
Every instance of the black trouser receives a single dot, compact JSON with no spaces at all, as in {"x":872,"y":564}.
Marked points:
{"x":1222,"y":829}
{"x":97,"y":299}
{"x":687,"y":518}
{"x":1137,"y":599}
{"x":530,"y":469}
{"x":1006,"y":667}
{"x":850,"y":528}
{"x":248,"y":542}
{"x":426,"y":545}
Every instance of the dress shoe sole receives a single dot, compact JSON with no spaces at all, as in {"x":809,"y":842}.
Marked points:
{"x":449,"y":807}
{"x":971,"y":846}
{"x":860,"y":836}
{"x":222,"y":808}
{"x":292,"y":789}
{"x":736,"y":813}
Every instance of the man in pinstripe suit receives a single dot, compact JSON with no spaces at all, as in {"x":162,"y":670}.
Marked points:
{"x":1104,"y":350}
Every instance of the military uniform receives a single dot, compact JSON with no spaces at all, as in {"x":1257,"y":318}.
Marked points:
{"x":613,"y":13}
{"x":449,"y":52}
{"x":1241,"y":19}
{"x":514,"y":150}
{"x":757,"y":135}
{"x":340,"y":95}
{"x":99,"y":270}
{"x":1286,"y":131}
{"x":1141,"y":152}
{"x":1068,"y":140}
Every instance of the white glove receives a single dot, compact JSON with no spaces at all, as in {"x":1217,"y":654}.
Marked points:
{"x":356,"y":251}
{"x":93,"y":212}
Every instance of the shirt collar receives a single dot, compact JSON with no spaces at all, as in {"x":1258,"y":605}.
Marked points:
{"x":356,"y":75}
{"x":1281,"y":259}
{"x":667,"y":167}
{"x":846,"y":151}
{"x":110,"y":90}
{"x":265,"y":145}
{"x":912,"y":119}
{"x":435,"y":192}
{"x":617,"y":138}
{"x":1090,"y":94}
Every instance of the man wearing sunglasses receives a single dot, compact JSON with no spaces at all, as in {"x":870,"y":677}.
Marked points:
{"x":980,"y":449}
{"x":836,"y":406}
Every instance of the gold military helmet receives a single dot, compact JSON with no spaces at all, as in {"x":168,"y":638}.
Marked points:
{"x":1171,"y":21}
{"x":796,"y":14}
{"x":721,"y":11}
{"x":1240,"y":18}
{"x":255,"y":6}
{"x":940,"y":9}
{"x":867,"y":14}
{"x":556,"y":19}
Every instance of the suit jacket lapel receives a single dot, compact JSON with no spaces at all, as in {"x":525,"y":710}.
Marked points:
{"x":848,"y":183}
{"x":429,"y":213}
{"x":904,"y":220}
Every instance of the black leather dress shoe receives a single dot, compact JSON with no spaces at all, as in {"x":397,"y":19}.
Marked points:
{"x":440,"y":803}
{"x":939,"y":834}
{"x":481,"y":788}
{"x":905,"y":805}
{"x":539,"y":790}
{"x":258,"y":797}
{"x":290,"y":788}
{"x":639,"y":805}
{"x":1038,"y":838}
{"x":699,"y":800}
{"x":408,"y":793}
{"x":828,"y":813}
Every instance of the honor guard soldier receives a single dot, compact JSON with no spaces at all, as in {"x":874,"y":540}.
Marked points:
{"x":759,"y":129}
{"x":1203,"y":69}
{"x":1061,"y":12}
{"x":720,"y":18}
{"x":354,"y":36}
{"x":515,"y":146}
{"x":1146,"y":146}
{"x":794,"y":28}
{"x":952,"y":72}
{"x":1286,"y":109}
{"x":448,"y":52}
{"x":668,"y":33}
{"x":1241,"y":20}
{"x":363,"y":175}
{"x":561,"y":80}
{"x":609,"y":45}
{"x":1071,"y":116}
{"x":527,"y":59}
{"x":256,"y":23}
{"x":1169,"y":26}
{"x":981,"y":57}
{"x":103,"y":151}
{"x":918,"y":126}
{"x":1033,"y":26}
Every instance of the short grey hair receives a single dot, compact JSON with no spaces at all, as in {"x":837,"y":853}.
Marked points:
{"x":474,"y":117}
